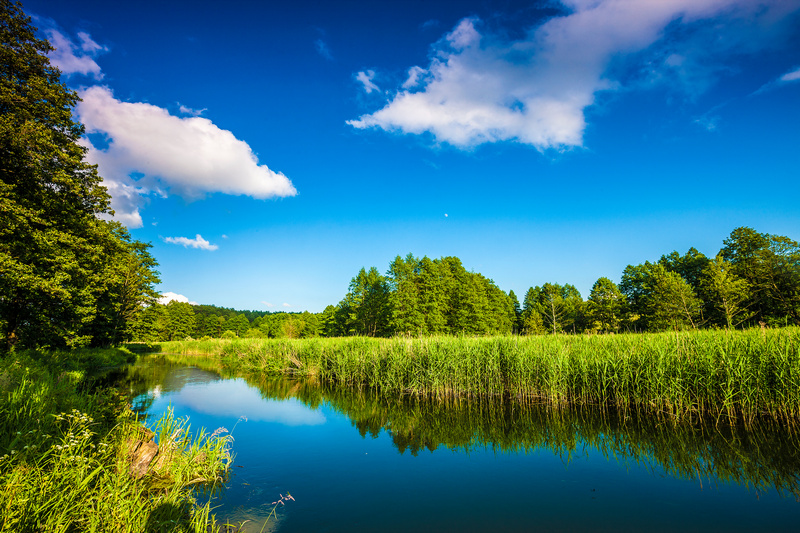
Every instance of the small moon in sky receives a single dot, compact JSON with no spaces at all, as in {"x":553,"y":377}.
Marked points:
{"x":445,"y":215}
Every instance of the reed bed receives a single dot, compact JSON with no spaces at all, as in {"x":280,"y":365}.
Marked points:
{"x":735,"y":375}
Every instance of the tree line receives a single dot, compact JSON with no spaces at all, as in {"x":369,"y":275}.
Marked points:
{"x":180,"y":320}
{"x":754,"y":279}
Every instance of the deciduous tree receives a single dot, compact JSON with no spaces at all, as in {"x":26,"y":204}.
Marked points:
{"x":56,"y":286}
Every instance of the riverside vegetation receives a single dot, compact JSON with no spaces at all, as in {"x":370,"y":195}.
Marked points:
{"x":70,"y":279}
{"x":64,"y":453}
{"x":761,"y":458}
{"x":722,"y":375}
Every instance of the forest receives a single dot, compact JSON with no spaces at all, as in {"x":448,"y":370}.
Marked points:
{"x":753,"y":280}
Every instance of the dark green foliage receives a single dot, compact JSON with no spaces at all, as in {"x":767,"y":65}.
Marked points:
{"x":727,"y":294}
{"x":406,"y":284}
{"x":435,"y":296}
{"x":605,"y":308}
{"x":367,"y":304}
{"x":181,"y":321}
{"x":517,"y":318}
{"x":690,"y":266}
{"x":659,"y":299}
{"x":532,"y":323}
{"x":771,"y":266}
{"x":67,"y":278}
{"x":559,"y":307}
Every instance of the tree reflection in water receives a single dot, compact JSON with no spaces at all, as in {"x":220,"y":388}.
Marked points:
{"x":764,"y":456}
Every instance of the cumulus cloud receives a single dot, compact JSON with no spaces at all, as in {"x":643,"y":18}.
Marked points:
{"x":481,"y":87}
{"x":75,"y":58}
{"x":146,"y":150}
{"x":415,"y":77}
{"x":167,"y":297}
{"x":366,"y":80}
{"x":198,"y":242}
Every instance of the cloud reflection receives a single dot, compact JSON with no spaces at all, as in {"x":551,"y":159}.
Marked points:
{"x":234,"y":398}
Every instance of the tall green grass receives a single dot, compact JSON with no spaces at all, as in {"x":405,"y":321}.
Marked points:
{"x":63,"y":454}
{"x":735,"y":375}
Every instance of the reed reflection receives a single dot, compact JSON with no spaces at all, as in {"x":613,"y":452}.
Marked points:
{"x":760,"y":457}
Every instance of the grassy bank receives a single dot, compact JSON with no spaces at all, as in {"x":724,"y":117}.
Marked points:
{"x":64,"y":453}
{"x":740,"y":375}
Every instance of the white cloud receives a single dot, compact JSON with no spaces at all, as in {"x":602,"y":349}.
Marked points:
{"x":415,"y":77}
{"x":284,"y":304}
{"x":481,"y":87}
{"x":198,"y":242}
{"x":267,"y":304}
{"x":189,"y":111}
{"x":188,"y":156}
{"x":88,"y":45}
{"x":235,"y":398}
{"x":366,"y":80}
{"x":793,"y":75}
{"x":71,"y":58}
{"x":167,"y":297}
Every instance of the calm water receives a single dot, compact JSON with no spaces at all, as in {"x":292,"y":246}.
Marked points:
{"x":359,"y":462}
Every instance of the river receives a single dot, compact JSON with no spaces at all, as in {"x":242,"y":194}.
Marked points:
{"x":359,"y":461}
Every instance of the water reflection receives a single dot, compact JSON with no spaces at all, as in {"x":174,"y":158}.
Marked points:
{"x":206,"y":392}
{"x":764,"y":457}
{"x":231,"y":398}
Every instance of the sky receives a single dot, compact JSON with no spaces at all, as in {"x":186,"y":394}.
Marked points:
{"x":270,"y":150}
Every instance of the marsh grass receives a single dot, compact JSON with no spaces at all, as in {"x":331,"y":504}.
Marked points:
{"x":707,"y":374}
{"x":63,"y":460}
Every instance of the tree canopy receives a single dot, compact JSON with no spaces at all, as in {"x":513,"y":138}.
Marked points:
{"x":67,"y":277}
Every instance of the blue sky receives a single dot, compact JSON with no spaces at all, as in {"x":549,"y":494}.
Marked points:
{"x":269,"y":150}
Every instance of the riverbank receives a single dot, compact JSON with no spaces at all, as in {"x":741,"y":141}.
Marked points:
{"x":710,"y":375}
{"x":66,"y":450}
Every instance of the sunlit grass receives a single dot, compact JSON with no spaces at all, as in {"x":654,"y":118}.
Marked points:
{"x":740,"y":375}
{"x":64,"y":463}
